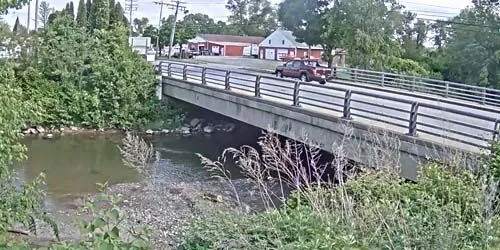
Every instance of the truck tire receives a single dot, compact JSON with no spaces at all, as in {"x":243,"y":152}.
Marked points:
{"x":303,"y":77}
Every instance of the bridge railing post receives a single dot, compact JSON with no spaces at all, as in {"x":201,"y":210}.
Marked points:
{"x":382,"y":83}
{"x":346,"y":114}
{"x":412,"y":126}
{"x":483,"y":98}
{"x":203,"y":76}
{"x":496,"y":131}
{"x":184,"y":73}
{"x":169,"y":69}
{"x":257,"y":86}
{"x":226,"y":81}
{"x":296,"y":94}
{"x":447,"y":89}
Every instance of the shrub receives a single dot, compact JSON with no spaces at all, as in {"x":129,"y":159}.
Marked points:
{"x":92,"y":80}
{"x":448,"y":208}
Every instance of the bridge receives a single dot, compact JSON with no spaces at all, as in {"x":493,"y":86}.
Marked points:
{"x":347,"y":109}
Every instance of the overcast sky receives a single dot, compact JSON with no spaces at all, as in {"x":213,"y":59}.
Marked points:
{"x":428,"y":9}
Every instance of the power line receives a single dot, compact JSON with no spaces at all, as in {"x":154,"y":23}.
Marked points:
{"x":130,"y":6}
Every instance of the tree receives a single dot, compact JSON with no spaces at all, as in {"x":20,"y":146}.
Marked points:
{"x":472,"y":45}
{"x":304,"y":19}
{"x":81,"y":15}
{"x":151,"y":31}
{"x":71,"y":10}
{"x":252,"y":17}
{"x":5,"y":5}
{"x":367,"y":29}
{"x":16,"y":28}
{"x":88,"y":6}
{"x":100,"y":14}
{"x":139,"y":25}
{"x":117,"y":16}
{"x":44,"y":12}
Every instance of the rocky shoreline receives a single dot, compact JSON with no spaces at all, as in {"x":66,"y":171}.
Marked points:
{"x":195,"y":126}
{"x":166,"y":204}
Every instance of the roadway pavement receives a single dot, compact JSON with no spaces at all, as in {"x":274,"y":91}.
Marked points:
{"x":434,"y":123}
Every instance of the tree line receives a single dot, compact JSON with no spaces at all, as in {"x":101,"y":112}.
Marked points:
{"x":384,"y":35}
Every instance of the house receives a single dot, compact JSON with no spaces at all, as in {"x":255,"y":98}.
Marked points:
{"x":282,"y":43}
{"x":222,"y":45}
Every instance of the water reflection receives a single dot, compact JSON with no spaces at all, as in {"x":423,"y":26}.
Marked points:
{"x":75,"y":163}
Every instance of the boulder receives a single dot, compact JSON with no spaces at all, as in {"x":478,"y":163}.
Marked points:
{"x":185,"y":130}
{"x":165,"y":131}
{"x":73,"y":128}
{"x":149,"y":132}
{"x":229,"y":127}
{"x":198,"y":127}
{"x":194,"y":122}
{"x":40,"y":129}
{"x":208,"y":129}
{"x":48,"y":136}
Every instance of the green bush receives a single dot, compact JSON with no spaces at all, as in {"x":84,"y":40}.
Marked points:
{"x":92,"y":80}
{"x":443,"y":210}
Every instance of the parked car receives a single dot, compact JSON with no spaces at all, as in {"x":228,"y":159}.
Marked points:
{"x":306,"y":70}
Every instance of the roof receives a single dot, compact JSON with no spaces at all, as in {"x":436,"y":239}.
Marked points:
{"x":289,"y":35}
{"x":231,"y":38}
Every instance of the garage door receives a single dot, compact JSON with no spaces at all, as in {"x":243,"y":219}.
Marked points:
{"x":282,"y":53}
{"x":269,"y":55}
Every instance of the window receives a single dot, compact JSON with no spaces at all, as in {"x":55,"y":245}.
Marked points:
{"x":282,"y":41}
{"x":269,"y":41}
{"x":297,"y":64}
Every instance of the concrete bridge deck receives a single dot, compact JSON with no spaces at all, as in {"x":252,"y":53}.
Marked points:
{"x":422,"y":125}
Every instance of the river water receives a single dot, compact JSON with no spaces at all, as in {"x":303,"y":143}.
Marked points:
{"x":73,"y":164}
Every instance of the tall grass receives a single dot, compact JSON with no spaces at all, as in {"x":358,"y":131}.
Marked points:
{"x":452,"y":206}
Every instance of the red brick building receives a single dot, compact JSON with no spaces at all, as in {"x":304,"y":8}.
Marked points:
{"x":222,"y":45}
{"x":282,"y":43}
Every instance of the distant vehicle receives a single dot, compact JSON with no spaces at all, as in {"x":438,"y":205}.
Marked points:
{"x":305,"y":69}
{"x":251,"y":51}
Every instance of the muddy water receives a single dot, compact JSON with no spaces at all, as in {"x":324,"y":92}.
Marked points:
{"x":73,"y":164}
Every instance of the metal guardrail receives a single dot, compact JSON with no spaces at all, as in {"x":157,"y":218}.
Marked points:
{"x":401,"y":114}
{"x":460,"y":91}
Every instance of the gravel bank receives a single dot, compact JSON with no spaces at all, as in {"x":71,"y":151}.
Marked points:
{"x":166,"y":204}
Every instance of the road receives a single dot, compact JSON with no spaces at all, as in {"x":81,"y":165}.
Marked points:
{"x":434,"y":123}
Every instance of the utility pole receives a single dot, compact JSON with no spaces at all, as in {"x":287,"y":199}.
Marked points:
{"x":172,"y":33}
{"x":131,"y":6}
{"x":36,"y":15}
{"x":29,"y":16}
{"x":159,"y":26}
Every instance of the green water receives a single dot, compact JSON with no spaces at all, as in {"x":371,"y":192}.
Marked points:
{"x":73,"y":164}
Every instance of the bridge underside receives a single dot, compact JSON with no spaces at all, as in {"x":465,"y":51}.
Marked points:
{"x":359,"y":142}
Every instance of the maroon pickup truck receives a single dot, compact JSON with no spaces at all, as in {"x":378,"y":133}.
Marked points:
{"x":306,"y":70}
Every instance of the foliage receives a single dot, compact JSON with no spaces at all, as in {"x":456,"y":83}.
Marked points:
{"x":5,"y":5}
{"x":81,"y":14}
{"x":18,"y":204}
{"x":140,"y":25}
{"x":100,"y":14}
{"x":44,"y":11}
{"x":104,"y":229}
{"x":117,"y":16}
{"x":100,"y":84}
{"x":304,"y":19}
{"x":252,"y":17}
{"x":444,"y":210}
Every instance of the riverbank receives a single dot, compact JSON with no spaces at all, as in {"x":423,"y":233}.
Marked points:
{"x":165,"y":204}
{"x":194,"y":126}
